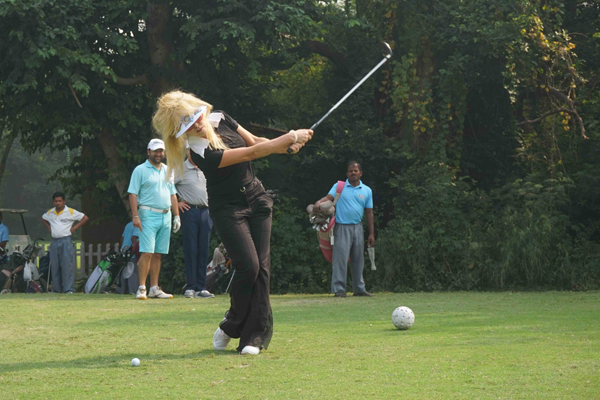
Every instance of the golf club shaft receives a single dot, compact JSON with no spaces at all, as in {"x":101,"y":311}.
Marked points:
{"x":387,"y":57}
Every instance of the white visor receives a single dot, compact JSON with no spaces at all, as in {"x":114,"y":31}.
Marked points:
{"x":189,"y":120}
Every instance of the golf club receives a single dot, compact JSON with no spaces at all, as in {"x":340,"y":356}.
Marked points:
{"x":388,"y":49}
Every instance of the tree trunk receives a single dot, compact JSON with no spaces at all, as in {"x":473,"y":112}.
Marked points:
{"x":161,"y":45}
{"x":10,"y":139}
{"x":109,"y":146}
{"x":160,"y":49}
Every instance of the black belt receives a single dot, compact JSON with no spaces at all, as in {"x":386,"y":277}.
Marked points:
{"x":198,"y":206}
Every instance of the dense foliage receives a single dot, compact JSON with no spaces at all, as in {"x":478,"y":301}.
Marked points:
{"x":479,"y":138}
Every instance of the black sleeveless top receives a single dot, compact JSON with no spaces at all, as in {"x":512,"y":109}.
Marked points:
{"x":224,"y":184}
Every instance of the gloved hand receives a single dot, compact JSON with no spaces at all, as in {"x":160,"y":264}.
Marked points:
{"x":176,"y":223}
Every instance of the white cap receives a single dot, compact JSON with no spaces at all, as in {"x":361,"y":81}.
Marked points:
{"x":156,"y":144}
{"x":189,"y":120}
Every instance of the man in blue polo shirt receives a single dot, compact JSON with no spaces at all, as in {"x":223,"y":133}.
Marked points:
{"x":152,"y":197}
{"x":356,"y":199}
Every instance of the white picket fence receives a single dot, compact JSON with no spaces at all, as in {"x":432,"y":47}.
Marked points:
{"x":89,"y":257}
{"x":86,"y":257}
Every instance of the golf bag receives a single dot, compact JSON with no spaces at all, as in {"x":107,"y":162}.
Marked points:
{"x":11,"y":277}
{"x":44,"y":270}
{"x":324,"y":221}
{"x":107,"y":271}
{"x":128,"y":280}
{"x":4,"y":272}
{"x":217,"y":271}
{"x":20,"y":274}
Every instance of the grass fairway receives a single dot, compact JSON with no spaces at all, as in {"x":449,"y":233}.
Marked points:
{"x":462,"y":346}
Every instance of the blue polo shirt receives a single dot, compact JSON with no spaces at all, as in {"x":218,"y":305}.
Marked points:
{"x":3,"y":233}
{"x":151,"y":187}
{"x":351,"y":205}
{"x":128,"y":233}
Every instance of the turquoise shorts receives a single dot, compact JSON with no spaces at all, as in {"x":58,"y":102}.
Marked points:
{"x":156,"y":232}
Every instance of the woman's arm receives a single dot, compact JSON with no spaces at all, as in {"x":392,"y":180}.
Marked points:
{"x":264,"y":148}
{"x":249,"y":138}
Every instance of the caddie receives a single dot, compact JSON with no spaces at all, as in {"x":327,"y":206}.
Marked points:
{"x":356,"y":200}
{"x":59,"y":221}
{"x":152,"y":198}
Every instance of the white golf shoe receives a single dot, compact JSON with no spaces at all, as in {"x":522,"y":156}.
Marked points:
{"x":157,"y":293}
{"x":250,"y":350}
{"x":141,"y":293}
{"x":220,"y":339}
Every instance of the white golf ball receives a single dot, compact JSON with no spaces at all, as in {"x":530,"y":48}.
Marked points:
{"x":135,"y":362}
{"x":403,"y":318}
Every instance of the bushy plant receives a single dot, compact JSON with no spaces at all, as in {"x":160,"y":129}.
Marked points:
{"x":432,"y":241}
{"x":528,"y":242}
{"x":448,"y":237}
{"x":297,"y":264}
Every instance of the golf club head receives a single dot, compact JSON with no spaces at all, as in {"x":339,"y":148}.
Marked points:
{"x":387,"y":49}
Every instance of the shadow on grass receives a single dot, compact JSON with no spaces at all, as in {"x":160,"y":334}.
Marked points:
{"x":114,"y":361}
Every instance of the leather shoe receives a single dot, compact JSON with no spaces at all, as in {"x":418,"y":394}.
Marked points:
{"x":363,"y":294}
{"x":340,"y":294}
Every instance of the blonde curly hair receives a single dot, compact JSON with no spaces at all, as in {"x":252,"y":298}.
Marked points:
{"x":171,"y":108}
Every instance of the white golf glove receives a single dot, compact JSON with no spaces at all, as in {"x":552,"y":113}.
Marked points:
{"x":176,"y":223}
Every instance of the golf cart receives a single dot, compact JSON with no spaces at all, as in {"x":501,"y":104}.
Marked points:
{"x":17,"y":242}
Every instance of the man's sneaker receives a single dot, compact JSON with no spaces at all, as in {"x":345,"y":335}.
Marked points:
{"x":141,"y":294}
{"x":250,"y":350}
{"x":189,"y":293}
{"x":157,"y":293}
{"x":204,"y":294}
{"x":220,"y":339}
{"x":363,"y":294}
{"x":340,"y":294}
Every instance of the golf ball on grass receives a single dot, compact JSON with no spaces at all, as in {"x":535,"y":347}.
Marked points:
{"x":135,"y":362}
{"x":403,"y":318}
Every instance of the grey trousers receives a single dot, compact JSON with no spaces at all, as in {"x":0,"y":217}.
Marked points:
{"x":349,"y":242}
{"x":61,"y":265}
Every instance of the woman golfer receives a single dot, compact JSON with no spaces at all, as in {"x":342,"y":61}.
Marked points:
{"x":240,"y":208}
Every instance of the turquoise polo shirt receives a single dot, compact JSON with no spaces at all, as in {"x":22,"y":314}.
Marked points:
{"x":151,"y":187}
{"x":351,"y":205}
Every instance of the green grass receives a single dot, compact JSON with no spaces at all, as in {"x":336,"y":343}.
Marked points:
{"x":462,"y":346}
